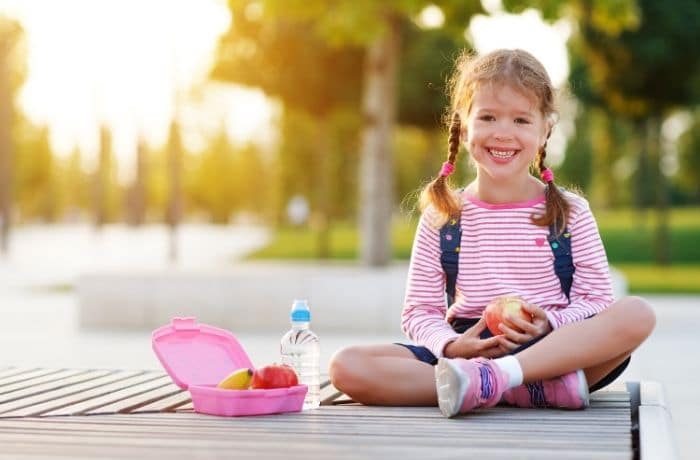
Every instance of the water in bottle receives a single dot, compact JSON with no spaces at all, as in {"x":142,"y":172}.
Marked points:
{"x":300,"y":349}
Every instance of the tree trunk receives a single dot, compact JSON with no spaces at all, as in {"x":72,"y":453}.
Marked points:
{"x":174,"y":210}
{"x":659,"y":192}
{"x":602,"y":186}
{"x":376,"y":165}
{"x":136,"y":211}
{"x":321,"y":220}
{"x":101,"y":180}
{"x":5,"y":155}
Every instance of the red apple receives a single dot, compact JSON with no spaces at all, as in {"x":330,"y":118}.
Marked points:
{"x":274,"y":376}
{"x":501,"y":310}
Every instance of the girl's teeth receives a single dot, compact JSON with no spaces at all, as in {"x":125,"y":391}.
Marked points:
{"x":504,"y":154}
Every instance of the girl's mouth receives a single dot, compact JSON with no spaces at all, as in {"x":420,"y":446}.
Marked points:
{"x":501,"y":155}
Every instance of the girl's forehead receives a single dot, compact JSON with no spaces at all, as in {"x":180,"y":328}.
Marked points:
{"x":504,"y":96}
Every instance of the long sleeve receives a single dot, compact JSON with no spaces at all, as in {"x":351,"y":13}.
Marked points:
{"x":423,"y":316}
{"x":591,"y":291}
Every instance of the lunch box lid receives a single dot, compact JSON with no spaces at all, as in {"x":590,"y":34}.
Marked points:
{"x":197,"y":354}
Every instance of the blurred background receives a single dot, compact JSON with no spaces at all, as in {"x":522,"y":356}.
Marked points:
{"x":319,"y":120}
{"x":147,"y":143}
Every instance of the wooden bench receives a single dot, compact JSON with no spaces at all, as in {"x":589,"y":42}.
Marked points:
{"x":104,"y":413}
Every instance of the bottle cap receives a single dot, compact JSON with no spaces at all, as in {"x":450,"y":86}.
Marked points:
{"x":300,"y":311}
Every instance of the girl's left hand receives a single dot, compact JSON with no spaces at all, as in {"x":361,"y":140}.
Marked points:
{"x":525,"y":331}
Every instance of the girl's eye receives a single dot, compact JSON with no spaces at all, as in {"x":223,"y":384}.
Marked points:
{"x":487,"y":118}
{"x":522,"y":121}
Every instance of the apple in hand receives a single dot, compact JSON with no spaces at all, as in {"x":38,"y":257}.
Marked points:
{"x":501,"y":310}
{"x":274,"y":376}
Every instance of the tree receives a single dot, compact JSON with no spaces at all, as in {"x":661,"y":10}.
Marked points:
{"x":12,"y":72}
{"x":287,"y":60}
{"x":642,"y":69}
{"x":136,"y":193}
{"x":689,"y":159}
{"x":36,"y":191}
{"x":365,"y":37}
{"x":106,"y":194}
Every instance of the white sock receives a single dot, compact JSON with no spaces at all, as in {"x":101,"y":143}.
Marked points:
{"x":510,"y":365}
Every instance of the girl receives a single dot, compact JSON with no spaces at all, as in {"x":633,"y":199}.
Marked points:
{"x":503,"y":111}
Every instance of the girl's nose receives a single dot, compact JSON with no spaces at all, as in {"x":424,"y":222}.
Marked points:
{"x":502,"y":136}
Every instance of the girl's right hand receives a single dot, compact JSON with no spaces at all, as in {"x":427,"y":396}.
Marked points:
{"x":470,"y":345}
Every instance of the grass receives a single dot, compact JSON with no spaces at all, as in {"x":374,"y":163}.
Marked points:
{"x":628,"y":236}
{"x":672,"y":279}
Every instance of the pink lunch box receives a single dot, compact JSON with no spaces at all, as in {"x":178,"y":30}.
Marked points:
{"x":198,"y":356}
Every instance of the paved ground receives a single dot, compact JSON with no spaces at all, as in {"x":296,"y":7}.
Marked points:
{"x":39,"y":326}
{"x":40,"y":329}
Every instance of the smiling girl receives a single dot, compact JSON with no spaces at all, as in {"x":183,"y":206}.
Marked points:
{"x":502,"y":111}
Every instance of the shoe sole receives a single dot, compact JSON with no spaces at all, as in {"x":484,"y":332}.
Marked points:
{"x":583,"y":388}
{"x":451,"y":384}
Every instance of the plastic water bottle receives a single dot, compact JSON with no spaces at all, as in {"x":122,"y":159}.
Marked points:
{"x":300,"y":349}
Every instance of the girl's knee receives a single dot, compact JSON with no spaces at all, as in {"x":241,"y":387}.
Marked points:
{"x":637,"y":317}
{"x":344,"y":368}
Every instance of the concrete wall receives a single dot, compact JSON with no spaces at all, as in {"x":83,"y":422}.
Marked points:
{"x":252,"y":297}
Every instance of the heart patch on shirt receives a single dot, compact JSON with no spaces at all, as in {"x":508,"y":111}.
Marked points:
{"x":540,"y":241}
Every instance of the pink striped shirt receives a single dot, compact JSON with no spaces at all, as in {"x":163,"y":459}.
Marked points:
{"x":502,"y":252}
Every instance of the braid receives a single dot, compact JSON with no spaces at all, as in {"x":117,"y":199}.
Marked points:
{"x":438,"y":192}
{"x":556,"y":206}
{"x":453,"y":141}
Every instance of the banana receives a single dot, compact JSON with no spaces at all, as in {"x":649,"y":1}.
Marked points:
{"x":237,"y":380}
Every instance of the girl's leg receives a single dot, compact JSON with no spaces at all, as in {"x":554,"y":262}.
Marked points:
{"x":596,"y":345}
{"x":388,"y":375}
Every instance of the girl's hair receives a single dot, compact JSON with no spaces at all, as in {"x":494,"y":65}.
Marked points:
{"x":522,"y":71}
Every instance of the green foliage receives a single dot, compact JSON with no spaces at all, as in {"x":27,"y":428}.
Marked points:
{"x":426,"y":63}
{"x":688,"y":177}
{"x":326,"y":177}
{"x":34,"y":182}
{"x":647,"y":69}
{"x":610,"y":17}
{"x":223,"y":180}
{"x":286,"y":59}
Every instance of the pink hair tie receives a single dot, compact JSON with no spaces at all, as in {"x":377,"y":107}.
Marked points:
{"x":447,"y":169}
{"x":547,"y":175}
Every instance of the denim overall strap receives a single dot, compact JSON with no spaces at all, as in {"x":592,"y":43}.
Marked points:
{"x":450,"y":240}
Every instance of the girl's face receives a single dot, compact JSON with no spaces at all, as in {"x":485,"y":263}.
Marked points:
{"x":504,"y":131}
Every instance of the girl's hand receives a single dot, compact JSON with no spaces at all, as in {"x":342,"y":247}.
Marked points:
{"x":524,"y":331}
{"x":470,"y":345}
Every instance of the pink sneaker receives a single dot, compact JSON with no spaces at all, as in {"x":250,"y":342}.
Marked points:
{"x":463,"y":385}
{"x":569,"y":391}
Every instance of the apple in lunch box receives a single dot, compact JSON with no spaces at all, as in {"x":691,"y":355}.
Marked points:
{"x":274,"y":376}
{"x":502,"y":310}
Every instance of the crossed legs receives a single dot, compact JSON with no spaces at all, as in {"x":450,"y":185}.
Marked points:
{"x":391,"y":375}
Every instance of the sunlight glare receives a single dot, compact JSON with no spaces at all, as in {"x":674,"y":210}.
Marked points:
{"x":526,"y":31}
{"x":128,"y":64}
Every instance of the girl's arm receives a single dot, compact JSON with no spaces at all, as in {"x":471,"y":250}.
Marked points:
{"x":591,"y":291}
{"x":423,"y":315}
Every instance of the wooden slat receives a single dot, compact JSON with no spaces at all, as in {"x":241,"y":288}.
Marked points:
{"x":12,"y":371}
{"x":36,"y":384}
{"x":167,"y":404}
{"x":138,"y":397}
{"x":69,"y":388}
{"x":107,"y":395}
{"x":25,"y":379}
